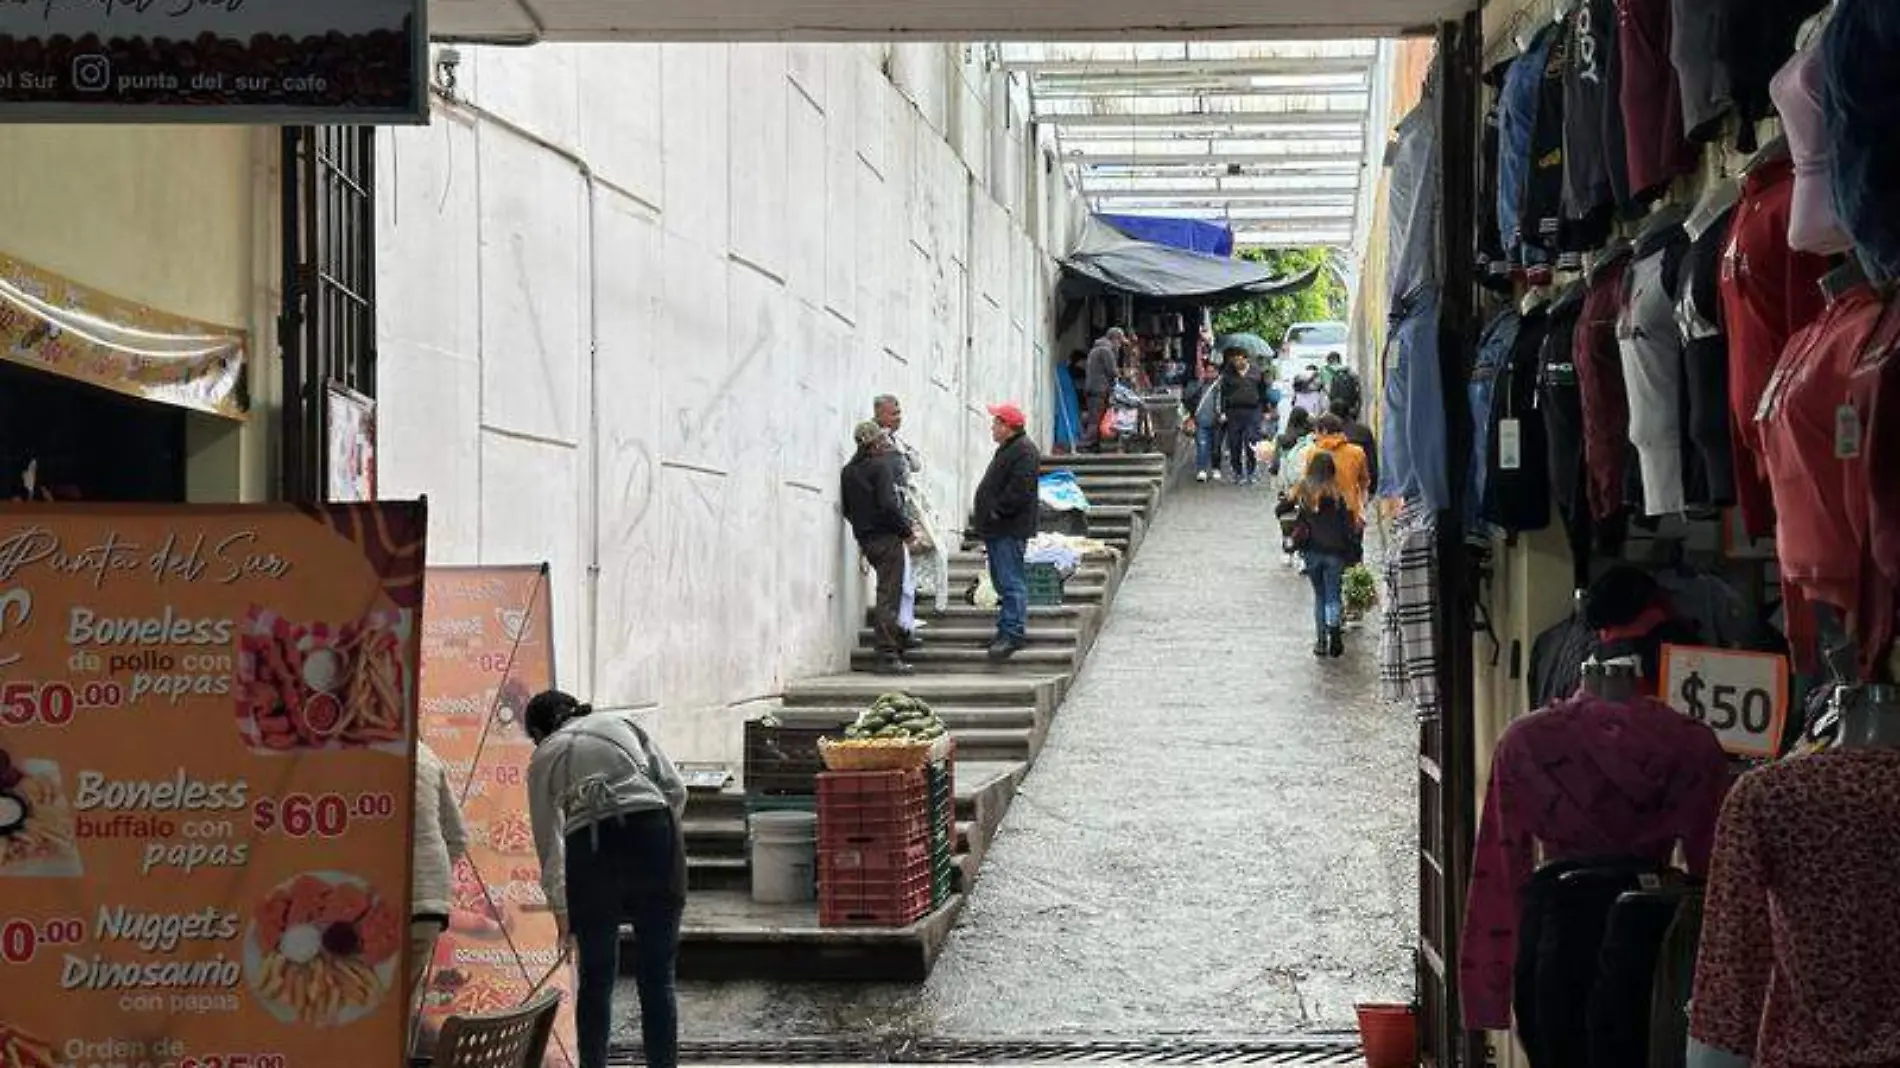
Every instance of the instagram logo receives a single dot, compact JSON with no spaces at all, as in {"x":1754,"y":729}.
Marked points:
{"x":92,"y":74}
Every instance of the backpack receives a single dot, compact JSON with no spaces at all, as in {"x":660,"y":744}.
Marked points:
{"x":1344,"y":390}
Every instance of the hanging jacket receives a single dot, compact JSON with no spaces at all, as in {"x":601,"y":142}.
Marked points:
{"x":1585,"y":779}
{"x":1517,"y":483}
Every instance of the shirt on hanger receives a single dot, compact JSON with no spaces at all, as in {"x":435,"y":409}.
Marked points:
{"x":1494,"y":351}
{"x":1700,"y":71}
{"x":1875,"y":390}
{"x":1544,"y":184}
{"x":1754,"y":39}
{"x":1517,"y":127}
{"x":1518,"y":494}
{"x":1819,"y":474}
{"x":1651,"y":346}
{"x":1769,"y":292}
{"x":1800,"y":956}
{"x":1606,"y":408}
{"x":1813,"y":225}
{"x":1705,"y":360}
{"x":1857,"y":52}
{"x":1408,"y":645}
{"x":1586,"y":779}
{"x":1596,"y":176}
{"x":1651,"y":100}
{"x":1560,"y":402}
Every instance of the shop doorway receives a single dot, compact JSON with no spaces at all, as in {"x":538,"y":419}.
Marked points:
{"x":66,"y":440}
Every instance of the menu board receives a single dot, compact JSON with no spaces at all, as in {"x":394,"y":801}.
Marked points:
{"x":206,"y":786}
{"x":487,"y":648}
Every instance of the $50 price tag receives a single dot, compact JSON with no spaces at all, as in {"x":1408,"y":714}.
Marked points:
{"x":1743,"y":697}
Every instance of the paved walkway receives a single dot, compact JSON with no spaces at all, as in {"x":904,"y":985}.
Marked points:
{"x":1219,"y":838}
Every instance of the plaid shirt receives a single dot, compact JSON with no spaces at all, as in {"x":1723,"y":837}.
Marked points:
{"x":1408,"y":651}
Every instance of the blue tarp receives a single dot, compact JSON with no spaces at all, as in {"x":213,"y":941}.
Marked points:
{"x":1194,"y":235}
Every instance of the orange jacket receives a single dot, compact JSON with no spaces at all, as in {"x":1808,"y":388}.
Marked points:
{"x":1355,"y":477}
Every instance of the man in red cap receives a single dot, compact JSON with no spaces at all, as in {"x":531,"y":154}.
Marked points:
{"x":1005,"y":518}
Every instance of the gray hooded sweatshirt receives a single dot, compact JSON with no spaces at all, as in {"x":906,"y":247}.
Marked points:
{"x":595,"y":768}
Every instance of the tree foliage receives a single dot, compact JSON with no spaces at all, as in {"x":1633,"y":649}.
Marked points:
{"x":1269,"y":317}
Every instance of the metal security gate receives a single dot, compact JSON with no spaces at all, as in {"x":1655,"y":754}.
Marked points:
{"x":1446,"y":809}
{"x":328,"y":328}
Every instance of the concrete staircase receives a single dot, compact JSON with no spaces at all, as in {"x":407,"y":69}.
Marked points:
{"x":999,"y":715}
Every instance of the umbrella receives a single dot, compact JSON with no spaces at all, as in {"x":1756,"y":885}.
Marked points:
{"x":1252,"y":344}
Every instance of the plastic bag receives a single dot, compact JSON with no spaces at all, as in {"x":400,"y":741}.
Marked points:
{"x":982,"y":592}
{"x":1059,"y":492}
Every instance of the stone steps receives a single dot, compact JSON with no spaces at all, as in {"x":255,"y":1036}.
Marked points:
{"x":936,"y":660}
{"x":980,"y":637}
{"x":998,"y":714}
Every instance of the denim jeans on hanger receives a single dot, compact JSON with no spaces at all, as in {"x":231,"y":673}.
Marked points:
{"x":1415,"y":452}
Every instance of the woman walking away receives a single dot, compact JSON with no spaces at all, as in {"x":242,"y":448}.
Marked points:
{"x":606,"y":807}
{"x":1327,"y":535}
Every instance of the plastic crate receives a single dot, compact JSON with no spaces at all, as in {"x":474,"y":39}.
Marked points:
{"x":887,"y":810}
{"x":845,"y":901}
{"x":1045,"y":585}
{"x":872,"y":863}
{"x":862,"y":785}
{"x":783,"y":760}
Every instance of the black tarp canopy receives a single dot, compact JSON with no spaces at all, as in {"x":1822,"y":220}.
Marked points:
{"x":1106,"y":261}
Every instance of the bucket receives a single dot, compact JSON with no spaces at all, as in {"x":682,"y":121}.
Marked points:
{"x":784,"y":857}
{"x":1388,"y":1035}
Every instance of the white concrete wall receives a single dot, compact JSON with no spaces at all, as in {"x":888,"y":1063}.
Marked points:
{"x":633,"y":299}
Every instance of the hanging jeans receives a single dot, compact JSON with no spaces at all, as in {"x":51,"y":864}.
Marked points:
{"x":1010,"y":574}
{"x":1243,"y":433}
{"x":628,"y":869}
{"x":1327,"y":573}
{"x":1415,"y":463}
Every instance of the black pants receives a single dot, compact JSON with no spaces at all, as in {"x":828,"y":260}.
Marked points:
{"x":1561,"y":939}
{"x":885,"y":552}
{"x":1243,"y":433}
{"x":630,"y":869}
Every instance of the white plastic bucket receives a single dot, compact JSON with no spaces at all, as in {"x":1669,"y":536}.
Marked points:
{"x":784,"y":857}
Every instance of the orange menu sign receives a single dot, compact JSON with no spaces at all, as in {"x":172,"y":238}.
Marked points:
{"x":206,"y":787}
{"x":487,"y":648}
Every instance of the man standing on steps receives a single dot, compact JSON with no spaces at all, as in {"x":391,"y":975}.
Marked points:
{"x":1005,"y":518}
{"x":1098,"y":385}
{"x":878,"y":520}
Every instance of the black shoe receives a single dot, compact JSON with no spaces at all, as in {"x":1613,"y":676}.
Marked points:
{"x":892,"y":665}
{"x":912,"y":642}
{"x":1320,"y":649}
{"x":1004,"y":648}
{"x":1336,"y":643}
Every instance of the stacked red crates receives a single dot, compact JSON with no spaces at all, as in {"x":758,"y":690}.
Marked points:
{"x":874,"y":848}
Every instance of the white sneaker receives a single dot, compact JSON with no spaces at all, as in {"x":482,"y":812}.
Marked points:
{"x":1217,"y":476}
{"x":1200,"y":476}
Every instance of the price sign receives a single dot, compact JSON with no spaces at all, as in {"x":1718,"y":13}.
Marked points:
{"x":1743,"y":697}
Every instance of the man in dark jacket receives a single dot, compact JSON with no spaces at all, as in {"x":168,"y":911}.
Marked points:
{"x":1244,"y":395}
{"x":875,"y":509}
{"x":1005,"y":518}
{"x":1098,"y":385}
